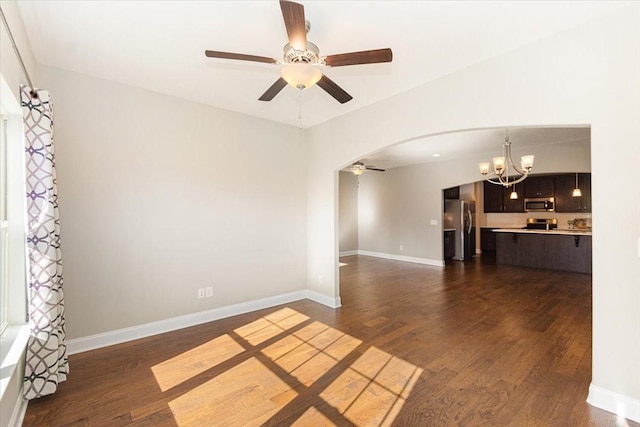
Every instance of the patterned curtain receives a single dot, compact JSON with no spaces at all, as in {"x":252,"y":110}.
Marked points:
{"x":46,"y":360}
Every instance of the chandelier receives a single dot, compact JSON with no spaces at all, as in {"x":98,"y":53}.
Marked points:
{"x":503,"y":166}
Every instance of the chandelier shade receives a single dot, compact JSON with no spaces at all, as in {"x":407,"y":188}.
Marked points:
{"x":503,"y":167}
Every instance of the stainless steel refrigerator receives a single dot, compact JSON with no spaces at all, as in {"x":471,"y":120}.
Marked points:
{"x":461,"y":216}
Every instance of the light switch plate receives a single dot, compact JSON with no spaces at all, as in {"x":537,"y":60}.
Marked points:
{"x":434,"y":222}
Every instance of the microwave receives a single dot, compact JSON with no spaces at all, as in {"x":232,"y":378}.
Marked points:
{"x":540,"y":204}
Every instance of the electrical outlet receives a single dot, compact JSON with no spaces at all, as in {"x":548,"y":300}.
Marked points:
{"x":200,"y":292}
{"x":401,"y":248}
{"x":209,"y":291}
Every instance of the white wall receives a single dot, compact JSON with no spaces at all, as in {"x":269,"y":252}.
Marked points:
{"x":348,"y":212}
{"x":161,"y":196}
{"x":588,"y":75}
{"x":9,"y":65}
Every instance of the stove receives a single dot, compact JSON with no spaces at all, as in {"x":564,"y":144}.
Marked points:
{"x":541,"y":223}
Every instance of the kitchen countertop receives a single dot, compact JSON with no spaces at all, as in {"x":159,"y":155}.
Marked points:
{"x":561,"y":231}
{"x":449,"y":229}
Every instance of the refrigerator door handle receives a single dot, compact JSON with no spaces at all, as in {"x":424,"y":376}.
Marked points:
{"x":470,"y":221}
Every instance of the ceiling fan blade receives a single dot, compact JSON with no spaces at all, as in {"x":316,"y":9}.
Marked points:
{"x":273,"y":90}
{"x":293,"y":14}
{"x":239,"y":56}
{"x":356,"y":58}
{"x":374,"y":169}
{"x":334,"y":90}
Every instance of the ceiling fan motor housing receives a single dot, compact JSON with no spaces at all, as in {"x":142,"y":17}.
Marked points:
{"x":309,"y":56}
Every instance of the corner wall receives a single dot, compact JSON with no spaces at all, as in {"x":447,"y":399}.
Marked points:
{"x":160,"y":197}
{"x":348,"y":216}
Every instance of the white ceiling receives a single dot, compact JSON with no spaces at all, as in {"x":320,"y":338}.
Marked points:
{"x":159,"y":46}
{"x":480,"y":144}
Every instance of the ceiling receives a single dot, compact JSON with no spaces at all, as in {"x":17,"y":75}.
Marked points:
{"x":480,"y":144}
{"x":159,"y":45}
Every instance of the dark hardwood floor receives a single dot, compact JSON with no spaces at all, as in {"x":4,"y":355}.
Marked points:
{"x":471,"y":344}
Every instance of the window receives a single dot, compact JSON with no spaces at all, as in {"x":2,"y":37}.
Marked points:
{"x":13,"y":267}
{"x":4,"y":226}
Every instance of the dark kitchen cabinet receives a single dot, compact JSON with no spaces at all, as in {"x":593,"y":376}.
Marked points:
{"x":449,"y":244}
{"x":487,"y":240}
{"x":568,"y":253}
{"x":452,"y":193}
{"x":521,"y":249}
{"x":493,"y":197}
{"x":496,"y":199}
{"x":564,"y":200}
{"x":546,"y":251}
{"x":584,"y":184}
{"x":539,"y":186}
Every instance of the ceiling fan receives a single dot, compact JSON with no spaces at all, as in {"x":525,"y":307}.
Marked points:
{"x":358,"y":168}
{"x":302,"y":58}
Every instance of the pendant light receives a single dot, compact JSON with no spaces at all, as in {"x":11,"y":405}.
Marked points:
{"x":514,"y":194}
{"x":576,"y":190}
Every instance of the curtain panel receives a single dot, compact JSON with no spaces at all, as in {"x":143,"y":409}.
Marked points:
{"x":46,"y":358}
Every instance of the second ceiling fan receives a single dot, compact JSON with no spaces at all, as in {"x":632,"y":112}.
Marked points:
{"x":302,"y":58}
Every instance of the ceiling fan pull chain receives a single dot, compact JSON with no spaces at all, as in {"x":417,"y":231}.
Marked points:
{"x":300,"y":109}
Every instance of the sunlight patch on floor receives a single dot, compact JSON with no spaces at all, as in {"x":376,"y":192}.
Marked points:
{"x":270,"y":325}
{"x":313,"y":417}
{"x":246,"y":395}
{"x":342,"y":264}
{"x":373,"y":389}
{"x":310,"y":352}
{"x":191,"y":363}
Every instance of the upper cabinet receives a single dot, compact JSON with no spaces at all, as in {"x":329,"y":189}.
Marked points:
{"x":496,"y":197}
{"x":539,"y":186}
{"x":565,"y":202}
{"x":493,"y":198}
{"x":451,"y":193}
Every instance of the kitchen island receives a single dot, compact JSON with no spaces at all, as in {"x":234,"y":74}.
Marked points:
{"x":558,"y":249}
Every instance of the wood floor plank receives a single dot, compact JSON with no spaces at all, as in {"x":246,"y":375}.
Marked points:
{"x":470,"y":344}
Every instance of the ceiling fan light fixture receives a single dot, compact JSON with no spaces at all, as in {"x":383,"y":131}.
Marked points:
{"x":358,"y":168}
{"x":301,"y":75}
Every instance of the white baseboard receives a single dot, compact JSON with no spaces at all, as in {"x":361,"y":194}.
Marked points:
{"x":92,"y":342}
{"x":623,"y":406}
{"x":323,"y":299}
{"x":348,"y":253}
{"x":19,"y":412}
{"x":426,"y":261}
